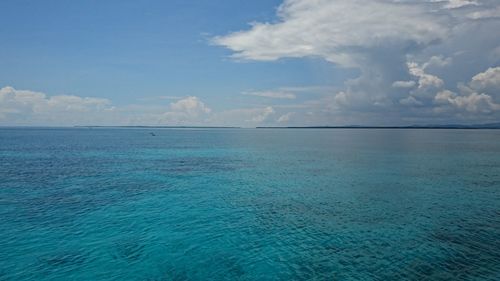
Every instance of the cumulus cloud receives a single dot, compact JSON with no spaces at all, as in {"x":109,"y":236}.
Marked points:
{"x":488,"y":80}
{"x":24,"y":107}
{"x":476,"y":103}
{"x":336,"y":30}
{"x":412,"y":60}
{"x":29,"y":107}
{"x":262,"y":115}
{"x":424,"y":79}
{"x":406,"y":53}
{"x":285,"y":117}
{"x":475,"y":97}
{"x":187,"y":111}
{"x":191,"y":106}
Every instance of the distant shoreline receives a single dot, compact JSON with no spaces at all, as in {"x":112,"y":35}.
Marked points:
{"x":494,"y":126}
{"x":431,"y":126}
{"x":389,"y":127}
{"x":161,"y":127}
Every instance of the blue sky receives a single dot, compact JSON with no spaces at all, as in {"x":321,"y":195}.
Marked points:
{"x":249,"y":63}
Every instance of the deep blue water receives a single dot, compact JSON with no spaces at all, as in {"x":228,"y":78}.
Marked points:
{"x":249,"y":204}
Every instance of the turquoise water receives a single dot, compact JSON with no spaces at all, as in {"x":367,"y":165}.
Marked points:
{"x":249,"y":204}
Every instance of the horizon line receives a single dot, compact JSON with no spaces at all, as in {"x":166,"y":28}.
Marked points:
{"x":446,"y":126}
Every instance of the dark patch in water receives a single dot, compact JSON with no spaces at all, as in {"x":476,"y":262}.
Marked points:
{"x":130,"y":251}
{"x":199,"y":164}
{"x":470,"y":250}
{"x":4,"y":276}
{"x":64,"y":259}
{"x":232,"y":268}
{"x":170,"y":273}
{"x":278,"y":214}
{"x":178,"y":275}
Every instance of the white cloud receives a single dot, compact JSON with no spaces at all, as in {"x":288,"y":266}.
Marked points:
{"x":488,"y":80}
{"x":74,"y":103}
{"x":485,"y":14}
{"x":336,"y":30}
{"x":262,"y":115}
{"x":410,"y":101}
{"x":285,"y":117}
{"x":404,"y":84}
{"x":475,"y":103}
{"x":428,"y":84}
{"x":424,"y":79}
{"x":474,"y":96}
{"x":393,"y":45}
{"x":29,"y":107}
{"x":190,"y":105}
{"x":23,"y":107}
{"x":272,"y":94}
{"x":437,"y":61}
{"x":453,"y":4}
{"x":342,"y":98}
{"x":187,"y":111}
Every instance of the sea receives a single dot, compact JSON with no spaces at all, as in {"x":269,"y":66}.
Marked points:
{"x":157,"y":204}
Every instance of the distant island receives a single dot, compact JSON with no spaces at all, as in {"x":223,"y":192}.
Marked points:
{"x":162,"y":127}
{"x":447,"y":126}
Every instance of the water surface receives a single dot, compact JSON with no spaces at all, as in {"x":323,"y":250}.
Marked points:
{"x":249,"y":204}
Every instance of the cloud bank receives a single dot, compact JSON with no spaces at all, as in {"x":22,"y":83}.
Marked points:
{"x":25,"y":107}
{"x":415,"y":62}
{"x":415,"y":57}
{"x":338,"y":31}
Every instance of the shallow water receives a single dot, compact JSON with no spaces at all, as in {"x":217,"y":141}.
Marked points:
{"x":249,"y":204}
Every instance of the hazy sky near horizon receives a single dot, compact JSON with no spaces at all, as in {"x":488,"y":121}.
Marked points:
{"x":249,"y":63}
